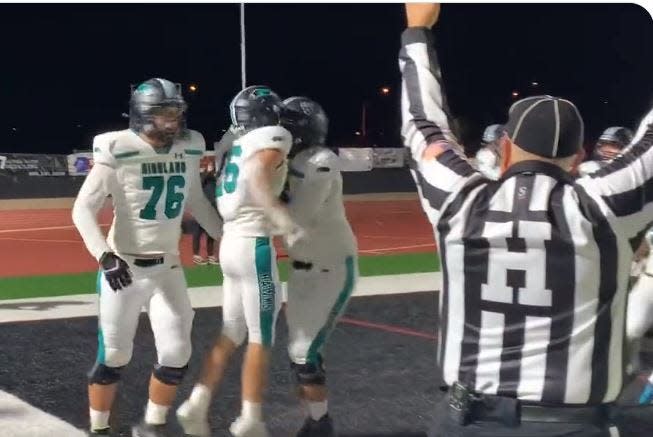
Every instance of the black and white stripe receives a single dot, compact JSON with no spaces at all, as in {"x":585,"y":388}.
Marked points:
{"x":534,"y":265}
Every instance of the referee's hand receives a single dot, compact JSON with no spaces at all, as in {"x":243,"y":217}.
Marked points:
{"x":115,"y":270}
{"x":422,"y":14}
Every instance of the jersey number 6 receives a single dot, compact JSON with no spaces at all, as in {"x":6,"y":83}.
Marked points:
{"x":174,"y":199}
{"x":231,"y":171}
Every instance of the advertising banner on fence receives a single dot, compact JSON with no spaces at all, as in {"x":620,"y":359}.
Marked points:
{"x":33,"y":164}
{"x":356,"y":159}
{"x":79,"y":164}
{"x":389,"y":157}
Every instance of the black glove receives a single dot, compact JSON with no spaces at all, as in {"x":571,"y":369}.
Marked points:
{"x":116,"y":270}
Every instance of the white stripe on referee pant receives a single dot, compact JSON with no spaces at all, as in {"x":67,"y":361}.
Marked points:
{"x":614,"y":431}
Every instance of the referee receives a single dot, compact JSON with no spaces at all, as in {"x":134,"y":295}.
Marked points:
{"x":534,"y":265}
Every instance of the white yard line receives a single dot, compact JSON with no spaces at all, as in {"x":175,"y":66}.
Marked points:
{"x":85,"y":305}
{"x":20,"y":419}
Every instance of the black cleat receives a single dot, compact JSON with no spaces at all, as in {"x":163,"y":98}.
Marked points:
{"x":145,"y":430}
{"x":317,"y":428}
{"x":99,"y":432}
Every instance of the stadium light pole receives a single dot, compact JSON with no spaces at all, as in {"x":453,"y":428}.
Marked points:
{"x":384,"y":91}
{"x":243,"y":75}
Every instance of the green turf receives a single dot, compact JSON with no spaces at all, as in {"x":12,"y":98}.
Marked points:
{"x":79,"y":283}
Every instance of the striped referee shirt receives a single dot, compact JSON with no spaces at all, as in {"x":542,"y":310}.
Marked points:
{"x":535,"y":265}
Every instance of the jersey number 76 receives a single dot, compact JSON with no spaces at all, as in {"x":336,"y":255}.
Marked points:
{"x":174,"y":199}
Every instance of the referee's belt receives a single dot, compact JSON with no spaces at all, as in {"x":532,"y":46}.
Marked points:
{"x":511,"y":411}
{"x":148,"y":262}
{"x":595,"y":414}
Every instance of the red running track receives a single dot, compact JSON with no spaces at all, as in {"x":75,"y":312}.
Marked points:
{"x":44,"y":241}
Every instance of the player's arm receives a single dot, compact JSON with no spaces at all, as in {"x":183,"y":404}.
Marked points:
{"x":626,"y":184}
{"x":89,"y":201}
{"x":639,"y":321}
{"x":99,"y":183}
{"x":262,"y":166}
{"x":640,"y":308}
{"x":438,"y":164}
{"x":203,"y":211}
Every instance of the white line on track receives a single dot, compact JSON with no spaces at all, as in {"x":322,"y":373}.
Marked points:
{"x":44,"y":228}
{"x":392,"y":237}
{"x":390,"y":249}
{"x":39,"y":240}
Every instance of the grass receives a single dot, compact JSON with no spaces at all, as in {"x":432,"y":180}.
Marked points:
{"x":80,"y":283}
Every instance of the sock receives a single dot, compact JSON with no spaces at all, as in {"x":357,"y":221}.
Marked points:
{"x":99,"y":419}
{"x":317,"y":409}
{"x":156,"y":414}
{"x":252,"y":410}
{"x":200,"y":397}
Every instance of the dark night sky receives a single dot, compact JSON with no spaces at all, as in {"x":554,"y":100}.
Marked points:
{"x":70,"y":65}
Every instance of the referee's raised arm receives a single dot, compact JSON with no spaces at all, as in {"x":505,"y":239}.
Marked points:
{"x":437,"y":163}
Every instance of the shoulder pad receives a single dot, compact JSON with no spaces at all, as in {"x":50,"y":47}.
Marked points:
{"x":588,"y":167}
{"x":323,"y":160}
{"x":316,"y":162}
{"x":192,"y":143}
{"x":104,"y":147}
{"x":267,"y":137}
{"x":195,"y":141}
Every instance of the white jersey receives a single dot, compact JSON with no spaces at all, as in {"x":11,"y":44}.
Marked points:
{"x":589,"y":167}
{"x":648,"y":266}
{"x":488,"y":164}
{"x":148,"y":190}
{"x":316,"y":204}
{"x":241,"y":214}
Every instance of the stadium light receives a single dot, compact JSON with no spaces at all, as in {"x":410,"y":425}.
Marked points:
{"x":534,"y":83}
{"x":385,"y":90}
{"x":515,"y":94}
{"x":192,"y":88}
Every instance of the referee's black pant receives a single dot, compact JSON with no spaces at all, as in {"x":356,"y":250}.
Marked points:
{"x":502,"y":417}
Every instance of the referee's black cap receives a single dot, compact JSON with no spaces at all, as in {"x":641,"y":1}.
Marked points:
{"x":545,"y":126}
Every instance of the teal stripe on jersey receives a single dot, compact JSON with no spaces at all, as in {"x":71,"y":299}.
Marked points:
{"x":193,"y":152}
{"x":100,"y":337}
{"x":126,"y":154}
{"x":266,"y":289}
{"x":337,"y":309}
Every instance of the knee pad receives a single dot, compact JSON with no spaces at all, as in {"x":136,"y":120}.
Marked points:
{"x":175,"y":355}
{"x":104,"y":375}
{"x":236,"y":332}
{"x":170,"y":375}
{"x":309,"y":373}
{"x":117,"y":357}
